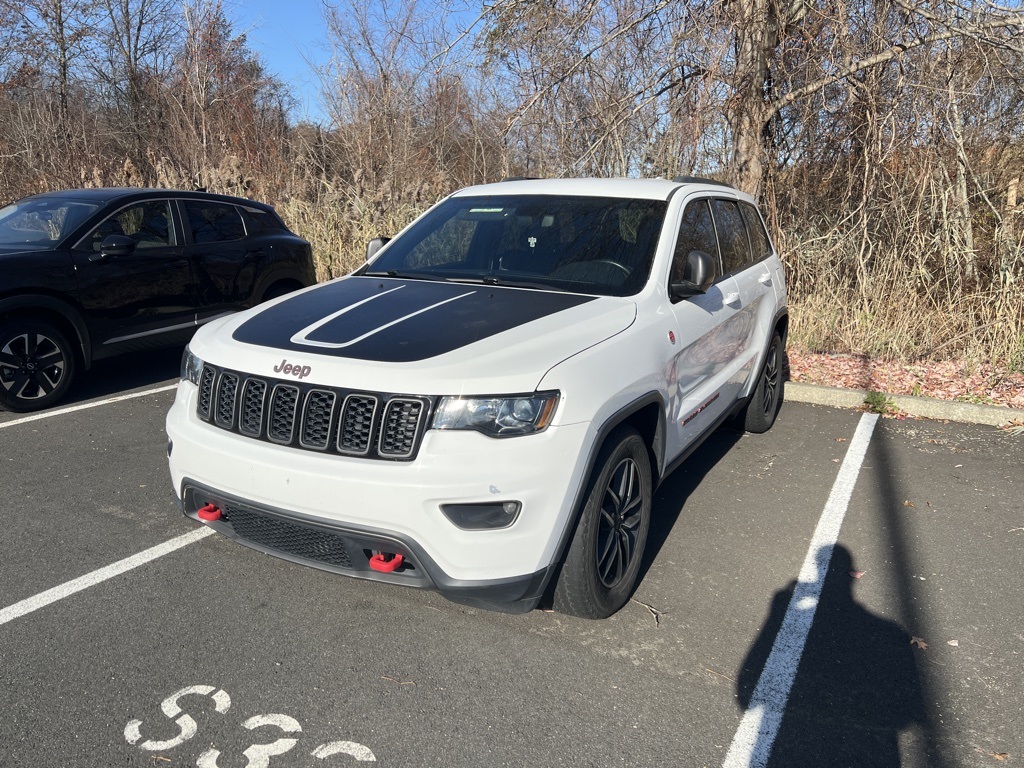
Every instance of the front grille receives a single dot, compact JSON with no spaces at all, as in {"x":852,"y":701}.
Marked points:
{"x":328,"y":420}
{"x":283,"y":536}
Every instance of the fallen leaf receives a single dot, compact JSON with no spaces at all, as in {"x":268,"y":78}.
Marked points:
{"x":919,"y":642}
{"x":856,"y":574}
{"x":954,"y":643}
{"x":400,"y":682}
{"x":909,"y":504}
{"x":840,"y":439}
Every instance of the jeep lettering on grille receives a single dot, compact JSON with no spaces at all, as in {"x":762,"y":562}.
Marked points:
{"x":298,"y":371}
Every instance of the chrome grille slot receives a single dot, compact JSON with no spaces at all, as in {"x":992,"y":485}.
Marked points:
{"x":281,"y":421}
{"x":227,"y":391}
{"x":400,"y":427}
{"x":205,"y":402}
{"x":317,"y":416}
{"x":355,"y":435}
{"x":250,"y":417}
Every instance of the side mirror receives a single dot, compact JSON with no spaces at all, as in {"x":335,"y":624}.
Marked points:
{"x":698,"y":275}
{"x":375,"y":245}
{"x":114,"y":245}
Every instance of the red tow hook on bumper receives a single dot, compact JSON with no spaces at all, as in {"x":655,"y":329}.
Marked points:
{"x":209,"y":513}
{"x":385,"y":563}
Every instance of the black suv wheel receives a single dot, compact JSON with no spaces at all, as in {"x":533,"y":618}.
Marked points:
{"x":36,"y":365}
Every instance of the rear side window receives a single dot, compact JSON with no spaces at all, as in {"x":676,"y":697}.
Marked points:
{"x":260,"y":222}
{"x":732,"y":235}
{"x":696,"y":233}
{"x":213,"y":222}
{"x":760,"y":245}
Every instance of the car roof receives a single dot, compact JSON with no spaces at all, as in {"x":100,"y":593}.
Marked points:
{"x":645,"y":189}
{"x":107,"y":194}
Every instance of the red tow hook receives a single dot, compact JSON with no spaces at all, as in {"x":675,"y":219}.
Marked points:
{"x":385,"y":563}
{"x":209,"y":513}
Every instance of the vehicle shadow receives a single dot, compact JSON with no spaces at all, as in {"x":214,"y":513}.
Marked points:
{"x":119,"y":375}
{"x":670,"y":498}
{"x":857,"y":685}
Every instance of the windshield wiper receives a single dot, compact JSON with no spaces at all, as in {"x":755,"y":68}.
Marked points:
{"x":494,"y":280}
{"x":405,"y":275}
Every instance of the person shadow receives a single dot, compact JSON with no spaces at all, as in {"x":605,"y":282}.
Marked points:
{"x":856,"y":687}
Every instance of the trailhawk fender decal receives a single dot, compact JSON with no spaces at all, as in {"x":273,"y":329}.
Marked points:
{"x":397,"y":321}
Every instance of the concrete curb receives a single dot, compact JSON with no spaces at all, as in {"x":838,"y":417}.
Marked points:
{"x":926,"y":407}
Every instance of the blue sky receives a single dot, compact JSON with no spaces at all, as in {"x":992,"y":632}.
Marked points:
{"x":287,"y":35}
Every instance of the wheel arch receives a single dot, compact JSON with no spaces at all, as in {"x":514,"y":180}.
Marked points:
{"x":646,"y":415}
{"x":62,"y":314}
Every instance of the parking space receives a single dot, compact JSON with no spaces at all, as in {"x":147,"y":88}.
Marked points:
{"x":215,"y":655}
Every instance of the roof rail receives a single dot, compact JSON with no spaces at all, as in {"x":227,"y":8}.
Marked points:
{"x":520,"y":178}
{"x":700,"y":180}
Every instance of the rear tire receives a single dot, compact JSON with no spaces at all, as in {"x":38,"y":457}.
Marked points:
{"x":759,"y":414}
{"x":603,"y":562}
{"x":37,"y":365}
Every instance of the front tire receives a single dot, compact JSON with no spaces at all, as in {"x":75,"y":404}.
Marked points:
{"x":37,"y":365}
{"x":603,"y":562}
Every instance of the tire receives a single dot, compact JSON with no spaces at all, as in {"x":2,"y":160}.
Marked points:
{"x":603,"y":561}
{"x":758,"y":415}
{"x":37,"y":365}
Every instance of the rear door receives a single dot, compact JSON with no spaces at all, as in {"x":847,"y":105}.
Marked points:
{"x":745,"y":250}
{"x":224,"y":265}
{"x":135,"y":299}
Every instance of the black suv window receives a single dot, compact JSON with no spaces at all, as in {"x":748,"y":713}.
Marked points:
{"x":732,"y":235}
{"x":147,"y":223}
{"x":213,"y":222}
{"x":260,"y":222}
{"x":696,"y":233}
{"x":760,"y":245}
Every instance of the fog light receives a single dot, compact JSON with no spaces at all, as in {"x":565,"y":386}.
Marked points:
{"x":482,"y":517}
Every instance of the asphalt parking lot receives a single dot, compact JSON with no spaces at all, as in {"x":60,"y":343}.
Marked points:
{"x":211,"y":654}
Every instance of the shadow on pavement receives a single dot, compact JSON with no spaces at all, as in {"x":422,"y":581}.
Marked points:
{"x":857,"y":686}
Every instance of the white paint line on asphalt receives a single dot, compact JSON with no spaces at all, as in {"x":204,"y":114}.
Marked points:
{"x":83,"y":406}
{"x":69,"y":588}
{"x":753,"y":741}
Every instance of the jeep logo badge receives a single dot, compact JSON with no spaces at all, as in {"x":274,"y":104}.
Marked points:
{"x":298,"y":371}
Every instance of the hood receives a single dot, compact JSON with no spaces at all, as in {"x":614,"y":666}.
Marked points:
{"x":415,"y":337}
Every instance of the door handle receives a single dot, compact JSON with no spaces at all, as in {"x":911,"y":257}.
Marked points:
{"x":732,"y":298}
{"x":765,"y":279}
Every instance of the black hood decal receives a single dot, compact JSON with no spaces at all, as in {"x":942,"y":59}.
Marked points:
{"x":397,"y":321}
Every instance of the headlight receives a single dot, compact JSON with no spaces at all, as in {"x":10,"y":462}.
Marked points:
{"x":498,"y":416}
{"x":191,"y":366}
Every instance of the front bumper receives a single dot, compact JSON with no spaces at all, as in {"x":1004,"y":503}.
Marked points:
{"x":298,"y":505}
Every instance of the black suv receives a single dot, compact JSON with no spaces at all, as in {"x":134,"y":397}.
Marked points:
{"x":90,"y":273}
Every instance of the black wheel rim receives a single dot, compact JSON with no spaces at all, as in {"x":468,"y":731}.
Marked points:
{"x":771,"y":381}
{"x":621,"y":512}
{"x":31,"y":366}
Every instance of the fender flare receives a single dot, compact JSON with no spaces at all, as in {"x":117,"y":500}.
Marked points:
{"x":50,"y":304}
{"x":657,"y":454}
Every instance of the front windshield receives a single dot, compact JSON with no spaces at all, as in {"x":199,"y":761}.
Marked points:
{"x":595,"y":245}
{"x":42,"y":222}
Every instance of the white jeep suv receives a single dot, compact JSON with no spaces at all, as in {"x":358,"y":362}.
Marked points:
{"x":487,"y":405}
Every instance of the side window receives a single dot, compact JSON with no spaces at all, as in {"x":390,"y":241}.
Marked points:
{"x":760,"y":245}
{"x":732,"y":235}
{"x":213,"y":222}
{"x":148,"y":224}
{"x":696,"y":233}
{"x":448,"y":245}
{"x":260,"y":222}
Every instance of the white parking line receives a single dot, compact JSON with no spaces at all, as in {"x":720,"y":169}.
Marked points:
{"x":753,"y":741}
{"x":83,"y":406}
{"x":69,"y":588}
